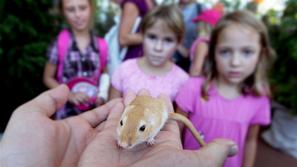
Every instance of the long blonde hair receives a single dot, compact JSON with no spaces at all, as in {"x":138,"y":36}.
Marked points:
{"x":256,"y":84}
{"x":170,"y":15}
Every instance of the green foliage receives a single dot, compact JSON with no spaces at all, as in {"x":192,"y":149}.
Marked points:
{"x":27,"y":27}
{"x":25,"y":32}
{"x":231,"y":5}
{"x":103,"y":25}
{"x":284,"y":40}
{"x":168,"y":1}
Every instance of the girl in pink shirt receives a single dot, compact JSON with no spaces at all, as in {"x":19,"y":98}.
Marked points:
{"x":162,"y":30}
{"x":232,"y":99}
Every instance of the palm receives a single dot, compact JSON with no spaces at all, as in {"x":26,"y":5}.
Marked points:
{"x":105,"y":151}
{"x":73,"y":136}
{"x":32,"y":139}
{"x":56,"y":143}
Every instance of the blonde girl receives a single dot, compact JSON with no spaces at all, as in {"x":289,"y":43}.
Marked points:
{"x":231,"y":100}
{"x":81,"y":61}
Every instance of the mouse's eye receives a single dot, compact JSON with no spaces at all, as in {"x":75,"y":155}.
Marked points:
{"x":121,"y":122}
{"x":142,"y":128}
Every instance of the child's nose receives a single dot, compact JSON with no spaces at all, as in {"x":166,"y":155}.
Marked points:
{"x":158,"y":45}
{"x":235,"y":61}
{"x":77,"y":12}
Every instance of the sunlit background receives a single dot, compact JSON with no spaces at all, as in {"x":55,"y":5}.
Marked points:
{"x":106,"y":6}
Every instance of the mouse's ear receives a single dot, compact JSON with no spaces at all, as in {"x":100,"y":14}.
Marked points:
{"x":167,"y":101}
{"x":144,"y":92}
{"x":129,"y":97}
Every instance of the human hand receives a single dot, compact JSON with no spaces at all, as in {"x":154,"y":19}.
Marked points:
{"x":99,"y":101}
{"x":104,"y":151}
{"x":77,"y":98}
{"x":31,"y":138}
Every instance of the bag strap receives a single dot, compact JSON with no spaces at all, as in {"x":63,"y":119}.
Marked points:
{"x":103,"y":53}
{"x":103,"y":48}
{"x":62,"y":45}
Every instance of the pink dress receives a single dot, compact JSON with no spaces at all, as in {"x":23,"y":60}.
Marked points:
{"x":220,"y":117}
{"x":128,"y":76}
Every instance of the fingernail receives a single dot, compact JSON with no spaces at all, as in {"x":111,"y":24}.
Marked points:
{"x":233,"y":150}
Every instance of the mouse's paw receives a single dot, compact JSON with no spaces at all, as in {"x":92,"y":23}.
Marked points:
{"x":151,"y":141}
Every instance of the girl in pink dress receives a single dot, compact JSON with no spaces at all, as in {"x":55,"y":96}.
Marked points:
{"x":232,"y":99}
{"x":162,"y":31}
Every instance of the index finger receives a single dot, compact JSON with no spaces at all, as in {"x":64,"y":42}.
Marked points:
{"x":218,"y":150}
{"x":225,"y":147}
{"x":99,"y":114}
{"x":48,"y":102}
{"x":114,"y":117}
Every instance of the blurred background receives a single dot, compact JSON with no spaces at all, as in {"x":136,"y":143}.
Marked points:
{"x":28,"y":26}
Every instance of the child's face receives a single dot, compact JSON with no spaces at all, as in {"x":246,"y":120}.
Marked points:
{"x":78,"y":14}
{"x":237,"y":53}
{"x":159,"y":44}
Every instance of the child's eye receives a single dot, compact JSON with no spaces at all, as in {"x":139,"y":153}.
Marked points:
{"x":82,"y":7}
{"x":224,"y":52}
{"x":152,"y":36}
{"x":70,"y":9}
{"x":247,"y":52}
{"x":169,"y":40}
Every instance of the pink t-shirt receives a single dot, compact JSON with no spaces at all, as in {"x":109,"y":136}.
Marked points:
{"x":128,"y":76}
{"x":220,"y":117}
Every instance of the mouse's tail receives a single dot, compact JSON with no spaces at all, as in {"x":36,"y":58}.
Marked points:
{"x":188,"y":123}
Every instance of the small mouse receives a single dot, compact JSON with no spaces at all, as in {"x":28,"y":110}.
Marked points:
{"x":143,"y":118}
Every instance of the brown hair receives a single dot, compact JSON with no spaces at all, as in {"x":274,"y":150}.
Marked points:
{"x":170,"y":15}
{"x":91,"y":2}
{"x":257,"y":83}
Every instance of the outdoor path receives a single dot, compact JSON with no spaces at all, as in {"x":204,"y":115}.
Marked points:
{"x":270,"y":157}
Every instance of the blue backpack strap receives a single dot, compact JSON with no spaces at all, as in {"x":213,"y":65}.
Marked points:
{"x":62,"y":44}
{"x":103,"y":54}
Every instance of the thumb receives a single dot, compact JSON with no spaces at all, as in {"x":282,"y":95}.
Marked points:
{"x":218,"y":150}
{"x":48,"y":102}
